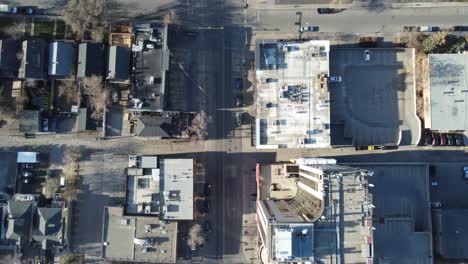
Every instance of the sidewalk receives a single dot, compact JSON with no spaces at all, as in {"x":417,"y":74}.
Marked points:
{"x":270,"y":4}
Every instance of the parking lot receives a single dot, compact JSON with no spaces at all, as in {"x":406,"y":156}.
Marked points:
{"x":374,"y":102}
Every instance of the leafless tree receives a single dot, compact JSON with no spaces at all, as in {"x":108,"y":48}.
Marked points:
{"x":16,"y":30}
{"x":99,"y":96}
{"x":68,"y":93}
{"x":198,"y":129}
{"x":171,"y":17}
{"x":71,"y":258}
{"x":71,"y":193}
{"x":84,"y":16}
{"x":70,"y":169}
{"x":195,"y":236}
{"x":51,"y":186}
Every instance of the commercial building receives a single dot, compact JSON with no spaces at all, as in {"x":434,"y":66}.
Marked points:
{"x":448,"y":92}
{"x":9,"y":62}
{"x":159,"y":193}
{"x":301,"y":214}
{"x":292,"y":96}
{"x":137,"y":238}
{"x":451,"y":233}
{"x":150,"y":64}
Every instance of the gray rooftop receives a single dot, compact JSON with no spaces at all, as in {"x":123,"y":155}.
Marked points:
{"x":150,"y":62}
{"x":133,"y":238}
{"x":34,"y":59}
{"x":29,"y":121}
{"x":9,"y":62}
{"x":177,"y":188}
{"x":451,"y":236}
{"x":292,"y":97}
{"x":19,"y":220}
{"x":50,"y":231}
{"x":448,"y":92}
{"x":118,"y":63}
{"x":154,"y":126}
{"x":90,"y":59}
{"x":61,"y":58}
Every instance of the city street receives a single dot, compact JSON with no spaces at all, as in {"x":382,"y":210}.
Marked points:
{"x":224,"y":33}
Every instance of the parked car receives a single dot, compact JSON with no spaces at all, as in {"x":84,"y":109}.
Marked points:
{"x":238,"y":118}
{"x":45,"y":124}
{"x":465,"y":172}
{"x":309,"y":29}
{"x":435,"y":139}
{"x":436,"y":205}
{"x":450,"y":140}
{"x":329,"y":10}
{"x":427,"y":139}
{"x":427,"y":29}
{"x":366,"y":55}
{"x":335,"y":79}
{"x":239,"y":84}
{"x":207,"y":227}
{"x":443,"y":140}
{"x":207,"y":189}
{"x":459,"y":28}
{"x":239,"y":100}
{"x":459,"y":140}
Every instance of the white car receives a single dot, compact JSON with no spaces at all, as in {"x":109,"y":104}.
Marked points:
{"x":425,"y":29}
{"x":309,"y":29}
{"x":366,"y":55}
{"x":335,"y":79}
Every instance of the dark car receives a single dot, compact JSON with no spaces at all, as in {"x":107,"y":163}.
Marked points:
{"x":238,"y":118}
{"x":427,"y":139}
{"x":459,"y":28}
{"x":459,"y":141}
{"x":443,"y":140}
{"x":450,"y":140}
{"x":465,"y":172}
{"x":239,"y":100}
{"x":207,"y":227}
{"x":329,"y":10}
{"x":203,"y":206}
{"x":239,"y":84}
{"x":435,"y":139}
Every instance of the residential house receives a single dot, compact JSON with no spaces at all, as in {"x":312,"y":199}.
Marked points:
{"x":49,"y":230}
{"x":61,"y":59}
{"x":90,"y":60}
{"x":9,"y":62}
{"x":20,"y":216}
{"x":34,"y":60}
{"x":118,"y":64}
{"x":154,"y":126}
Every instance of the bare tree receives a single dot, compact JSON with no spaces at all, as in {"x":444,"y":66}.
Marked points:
{"x":171,"y":17}
{"x":71,"y":258}
{"x":84,"y":15}
{"x":70,"y":169}
{"x":71,"y":193}
{"x":16,"y":30}
{"x":67,"y":91}
{"x":51,"y":186}
{"x":99,"y":96}
{"x":198,"y":129}
{"x":195,"y":236}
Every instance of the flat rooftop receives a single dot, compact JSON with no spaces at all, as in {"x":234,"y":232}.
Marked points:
{"x":293,"y":242}
{"x":177,"y":188}
{"x":150,"y":62}
{"x":137,"y":238}
{"x":275,"y":181}
{"x":402,"y":212}
{"x":292,"y":97}
{"x":448,"y":92}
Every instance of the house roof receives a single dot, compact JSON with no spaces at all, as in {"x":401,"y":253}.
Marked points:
{"x":34,"y":61}
{"x":19,"y":220}
{"x":118,"y":63}
{"x":61,"y":56}
{"x":89,"y":59}
{"x":154,"y":126}
{"x":29,"y":121}
{"x":50,"y":228}
{"x":9,"y":62}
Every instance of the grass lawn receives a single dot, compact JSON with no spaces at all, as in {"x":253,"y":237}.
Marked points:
{"x":43,"y":28}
